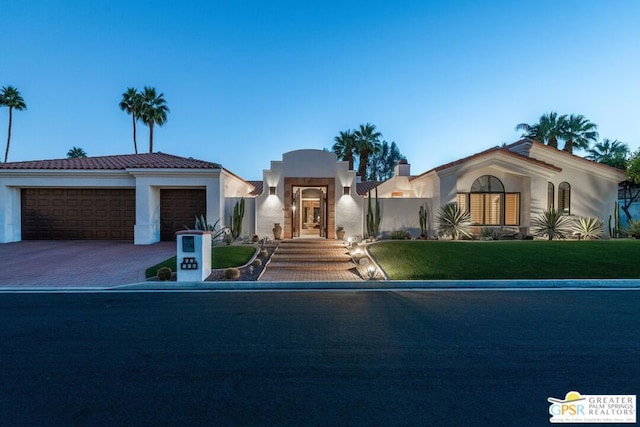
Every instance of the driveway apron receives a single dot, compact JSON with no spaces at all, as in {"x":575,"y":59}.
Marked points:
{"x":78,"y":263}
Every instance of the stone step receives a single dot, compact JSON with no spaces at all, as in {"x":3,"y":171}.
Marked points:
{"x":333,"y":266}
{"x":311,"y":252}
{"x":311,"y":259}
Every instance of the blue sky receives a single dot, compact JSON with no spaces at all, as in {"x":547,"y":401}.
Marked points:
{"x":247,"y":81}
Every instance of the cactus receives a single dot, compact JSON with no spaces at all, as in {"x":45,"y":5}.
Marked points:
{"x":424,"y":220}
{"x":236,"y":218}
{"x":164,"y":274}
{"x":614,"y":231}
{"x":373,"y":217}
{"x":232,"y":274}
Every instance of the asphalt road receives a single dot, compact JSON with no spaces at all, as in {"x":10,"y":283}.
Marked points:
{"x":311,"y":358}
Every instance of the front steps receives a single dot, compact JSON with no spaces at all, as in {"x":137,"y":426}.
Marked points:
{"x":310,"y":260}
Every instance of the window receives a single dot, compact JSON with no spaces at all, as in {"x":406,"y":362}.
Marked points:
{"x":564,"y":198}
{"x":550,"y":195}
{"x":489,"y":204}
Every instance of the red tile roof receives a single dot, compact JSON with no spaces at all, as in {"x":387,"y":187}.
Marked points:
{"x":503,"y":150}
{"x":563,"y":153}
{"x":118,"y":162}
{"x":363,"y":188}
{"x":258,"y":187}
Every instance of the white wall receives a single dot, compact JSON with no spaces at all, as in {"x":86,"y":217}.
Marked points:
{"x":248,"y":224}
{"x":400,"y":214}
{"x":309,"y":164}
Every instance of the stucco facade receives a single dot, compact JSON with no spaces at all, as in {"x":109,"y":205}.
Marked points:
{"x":309,"y":193}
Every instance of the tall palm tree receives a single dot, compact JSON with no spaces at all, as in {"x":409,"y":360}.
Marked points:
{"x":76,"y":153}
{"x":367,"y":142}
{"x":10,"y":97}
{"x":345,"y":147}
{"x":153,"y":111}
{"x":547,"y":131}
{"x":612,"y":153}
{"x":578,"y":132}
{"x":130,"y":103}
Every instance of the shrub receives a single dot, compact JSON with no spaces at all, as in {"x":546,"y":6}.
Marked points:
{"x":264,"y":253}
{"x":256,"y":262}
{"x":164,"y":274}
{"x":453,"y":222}
{"x":552,"y":224}
{"x":589,"y":228}
{"x":633,"y":229}
{"x":398,"y":235}
{"x":232,"y":273}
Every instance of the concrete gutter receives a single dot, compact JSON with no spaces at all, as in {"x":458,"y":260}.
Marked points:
{"x":591,"y":284}
{"x":389,"y":284}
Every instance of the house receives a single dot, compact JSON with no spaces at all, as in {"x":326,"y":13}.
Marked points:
{"x":146,"y":198}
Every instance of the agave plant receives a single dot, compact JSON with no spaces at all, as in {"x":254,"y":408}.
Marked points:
{"x":633,"y":229}
{"x":453,"y":222}
{"x":589,"y":228}
{"x":203,"y":225}
{"x":552,"y":224}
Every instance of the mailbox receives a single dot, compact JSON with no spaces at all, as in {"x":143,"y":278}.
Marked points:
{"x":193,"y":255}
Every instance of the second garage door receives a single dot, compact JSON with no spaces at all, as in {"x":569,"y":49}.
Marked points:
{"x":178,"y":210}
{"x":78,"y":214}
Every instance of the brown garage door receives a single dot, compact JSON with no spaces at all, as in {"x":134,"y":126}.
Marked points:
{"x":179,"y":208}
{"x":82,"y":214}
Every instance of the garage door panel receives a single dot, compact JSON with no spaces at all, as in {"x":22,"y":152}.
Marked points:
{"x":88,"y":214}
{"x":179,"y":208}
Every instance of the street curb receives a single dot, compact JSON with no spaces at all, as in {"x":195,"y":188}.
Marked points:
{"x":573,"y":284}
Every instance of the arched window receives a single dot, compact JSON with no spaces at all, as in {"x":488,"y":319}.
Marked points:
{"x":551,"y":190}
{"x":489,"y":204}
{"x":564,"y":198}
{"x":487,"y":184}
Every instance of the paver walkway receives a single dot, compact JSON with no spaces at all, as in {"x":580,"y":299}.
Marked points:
{"x":310,"y":260}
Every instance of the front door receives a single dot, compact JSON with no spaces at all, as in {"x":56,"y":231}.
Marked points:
{"x":308,"y":208}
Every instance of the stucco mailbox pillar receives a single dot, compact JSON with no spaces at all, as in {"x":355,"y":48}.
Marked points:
{"x":193,"y":255}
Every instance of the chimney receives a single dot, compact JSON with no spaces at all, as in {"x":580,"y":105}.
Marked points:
{"x":402,"y":168}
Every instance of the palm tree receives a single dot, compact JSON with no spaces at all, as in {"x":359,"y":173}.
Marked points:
{"x":345,"y":147}
{"x":130,"y":103}
{"x":153,"y":111}
{"x":612,"y":153}
{"x":76,"y":153}
{"x":367,"y":142}
{"x":547,"y":131}
{"x":10,"y":97}
{"x":578,"y":132}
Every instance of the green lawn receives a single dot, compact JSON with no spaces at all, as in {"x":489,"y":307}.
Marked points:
{"x":221,"y":257}
{"x":465,"y":260}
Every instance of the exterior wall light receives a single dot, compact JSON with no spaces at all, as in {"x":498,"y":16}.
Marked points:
{"x":346,"y":190}
{"x":272,"y":191}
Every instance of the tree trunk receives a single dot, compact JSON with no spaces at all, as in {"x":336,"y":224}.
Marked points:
{"x":553,"y":142}
{"x":6,"y":153}
{"x":135,"y":144}
{"x":362,"y":167}
{"x":629,"y":198}
{"x":151,"y":137}
{"x":568,"y":146}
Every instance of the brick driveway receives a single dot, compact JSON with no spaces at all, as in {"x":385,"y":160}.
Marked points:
{"x":78,"y":263}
